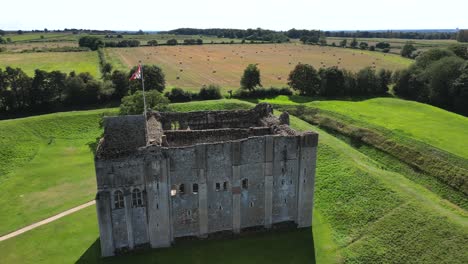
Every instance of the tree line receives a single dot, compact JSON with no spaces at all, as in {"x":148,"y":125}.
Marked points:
{"x":47,"y":91}
{"x":257,"y":34}
{"x":260,"y":34}
{"x":325,"y":82}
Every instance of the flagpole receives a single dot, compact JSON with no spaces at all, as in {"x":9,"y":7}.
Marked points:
{"x":143,"y":86}
{"x":144,"y":101}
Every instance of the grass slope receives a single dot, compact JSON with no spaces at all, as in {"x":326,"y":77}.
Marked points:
{"x":46,"y":165}
{"x":429,"y":124}
{"x":53,"y":61}
{"x":363,"y":214}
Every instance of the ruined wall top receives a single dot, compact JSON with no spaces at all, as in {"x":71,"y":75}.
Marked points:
{"x":126,"y":134}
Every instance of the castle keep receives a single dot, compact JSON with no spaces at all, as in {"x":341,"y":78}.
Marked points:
{"x":170,"y":175}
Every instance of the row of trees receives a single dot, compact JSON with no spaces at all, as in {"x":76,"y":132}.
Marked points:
{"x":328,"y":82}
{"x":298,"y":33}
{"x":438,"y":77}
{"x":257,"y":34}
{"x":46,"y":91}
{"x":95,"y":43}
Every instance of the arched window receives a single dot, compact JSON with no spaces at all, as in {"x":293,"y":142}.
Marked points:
{"x":225,"y":186}
{"x":137,"y":199}
{"x":118,"y":200}
{"x":195,"y":188}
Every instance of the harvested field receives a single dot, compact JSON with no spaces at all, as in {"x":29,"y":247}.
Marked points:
{"x":193,"y":66}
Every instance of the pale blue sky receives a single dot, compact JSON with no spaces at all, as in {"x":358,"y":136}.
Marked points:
{"x":269,"y":14}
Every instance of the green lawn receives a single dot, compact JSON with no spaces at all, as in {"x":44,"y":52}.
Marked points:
{"x":364,"y":213}
{"x":46,"y":165}
{"x":53,"y":61}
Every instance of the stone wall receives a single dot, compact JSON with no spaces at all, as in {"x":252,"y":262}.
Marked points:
{"x":227,"y":186}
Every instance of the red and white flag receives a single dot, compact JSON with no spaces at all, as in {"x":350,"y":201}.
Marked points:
{"x":136,"y":74}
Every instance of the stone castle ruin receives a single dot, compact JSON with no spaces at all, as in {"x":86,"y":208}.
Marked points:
{"x":171,"y":175}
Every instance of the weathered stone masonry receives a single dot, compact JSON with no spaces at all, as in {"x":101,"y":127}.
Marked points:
{"x":173,"y":175}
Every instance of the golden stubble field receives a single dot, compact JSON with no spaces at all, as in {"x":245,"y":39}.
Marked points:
{"x":190,"y":67}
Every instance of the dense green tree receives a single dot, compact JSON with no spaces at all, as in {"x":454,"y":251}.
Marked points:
{"x":20,"y":86}
{"x":343,"y":43}
{"x":439,"y":76}
{"x":407,"y":50}
{"x":432,"y":55}
{"x":106,"y":68}
{"x":462,"y":35}
{"x":459,"y":91}
{"x":384,"y":78}
{"x":133,"y":104}
{"x":91,"y":42}
{"x":152,"y":42}
{"x":172,"y":42}
{"x":178,"y":95}
{"x":121,"y":83}
{"x":332,"y":81}
{"x":382,"y":45}
{"x":367,"y":82}
{"x":251,"y":78}
{"x":305,"y":79}
{"x":154,"y":78}
{"x":210,"y":92}
{"x":363,"y":45}
{"x":459,"y":50}
{"x":353,"y":43}
{"x":350,"y":86}
{"x":4,"y":91}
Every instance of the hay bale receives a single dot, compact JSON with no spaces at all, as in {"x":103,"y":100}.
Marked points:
{"x":181,"y":70}
{"x":177,"y":77}
{"x":214,"y":71}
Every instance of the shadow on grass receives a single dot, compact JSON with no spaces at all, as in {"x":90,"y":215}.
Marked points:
{"x":293,"y":246}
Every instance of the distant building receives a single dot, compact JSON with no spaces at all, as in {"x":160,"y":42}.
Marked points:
{"x":173,"y":175}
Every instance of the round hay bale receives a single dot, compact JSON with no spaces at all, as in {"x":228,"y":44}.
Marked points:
{"x":181,"y":70}
{"x":177,"y":77}
{"x":214,"y":71}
